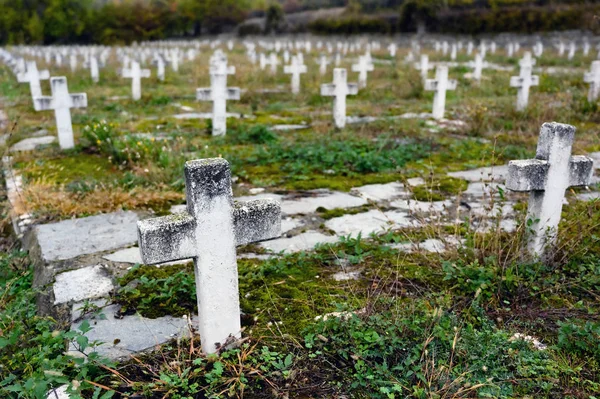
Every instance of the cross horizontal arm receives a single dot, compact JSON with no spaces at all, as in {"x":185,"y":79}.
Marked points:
{"x":170,"y":238}
{"x":352,"y":88}
{"x":167,"y":238}
{"x":431,"y":85}
{"x":233,"y":93}
{"x":44,"y":75}
{"x":145,"y":73}
{"x":452,"y":84}
{"x":203,"y":94}
{"x":256,"y":220}
{"x":79,"y":100}
{"x":328,"y":89}
{"x":43,"y":103}
{"x":531,"y":174}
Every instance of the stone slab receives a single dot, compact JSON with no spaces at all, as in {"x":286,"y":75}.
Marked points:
{"x":133,"y":256}
{"x":132,"y":334}
{"x":366,"y":223}
{"x":71,"y":238}
{"x":201,"y":115}
{"x":85,"y":283}
{"x":596,"y":158}
{"x":380,"y":192}
{"x":484,"y":189}
{"x":488,"y":173}
{"x":32,"y":143}
{"x":284,"y":128}
{"x":421,"y":206}
{"x":433,"y":245}
{"x":320,"y":198}
{"x":302,"y":242}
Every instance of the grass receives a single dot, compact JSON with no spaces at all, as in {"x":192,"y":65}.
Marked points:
{"x":413,"y":325}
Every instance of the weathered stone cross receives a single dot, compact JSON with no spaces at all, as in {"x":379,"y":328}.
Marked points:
{"x":547,"y":177}
{"x":593,"y":78}
{"x":219,"y":93}
{"x":524,"y":81}
{"x":33,"y":77}
{"x":208,"y":232}
{"x":339,"y":89}
{"x":135,"y":73}
{"x":61,"y":102}
{"x":423,"y":66}
{"x":94,"y":69}
{"x":295,"y":69}
{"x":364,"y":65}
{"x":273,"y":61}
{"x":440,"y":85}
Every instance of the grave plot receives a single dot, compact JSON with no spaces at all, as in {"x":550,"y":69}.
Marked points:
{"x":318,"y":245}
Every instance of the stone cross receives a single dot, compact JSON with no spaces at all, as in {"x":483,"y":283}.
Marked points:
{"x":363,"y":67}
{"x":61,"y":102}
{"x":470,"y":48}
{"x":593,"y":78}
{"x":323,"y":61}
{"x":135,"y":73}
{"x":73,"y":62}
{"x":477,"y":67}
{"x":174,"y":58}
{"x":339,"y":89}
{"x":547,"y":177}
{"x":538,"y":49}
{"x":208,"y":232}
{"x":561,"y":48}
{"x":219,"y":93}
{"x":295,"y":69}
{"x":572,"y":49}
{"x":440,"y":85}
{"x":32,"y":76}
{"x":392,"y":49}
{"x":586,"y":48}
{"x":273,"y":61}
{"x":94,"y":73}
{"x":510,"y":49}
{"x":524,"y":81}
{"x":453,"y":50}
{"x":424,"y":66}
{"x":160,"y":67}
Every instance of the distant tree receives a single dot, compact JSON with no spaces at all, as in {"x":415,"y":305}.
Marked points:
{"x":35,"y":29}
{"x":65,"y":20}
{"x":275,"y":18}
{"x":419,"y":14}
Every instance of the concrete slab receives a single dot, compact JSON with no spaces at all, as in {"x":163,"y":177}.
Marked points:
{"x":302,"y":242}
{"x":380,"y":192}
{"x":131,"y":334}
{"x":320,"y":198}
{"x":32,"y":143}
{"x":285,"y":128}
{"x":85,"y":283}
{"x":71,"y":238}
{"x":421,"y":206}
{"x":373,"y":221}
{"x":488,"y":173}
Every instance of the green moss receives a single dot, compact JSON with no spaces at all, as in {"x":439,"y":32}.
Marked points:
{"x":337,"y":212}
{"x":439,"y":188}
{"x":66,"y":169}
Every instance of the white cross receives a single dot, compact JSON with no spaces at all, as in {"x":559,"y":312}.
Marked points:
{"x":295,"y":69}
{"x":273,"y":61}
{"x":392,"y":50}
{"x":593,"y":78}
{"x":174,"y":58}
{"x":94,"y":69}
{"x":524,"y":81}
{"x":572,"y":48}
{"x":510,"y":49}
{"x":423,"y":66}
{"x":136,"y":74}
{"x":208,"y":232}
{"x":538,"y":49}
{"x":339,"y":89}
{"x":453,"y":51}
{"x":478,"y":67}
{"x":586,"y":48}
{"x":73,"y":62}
{"x":364,"y":65}
{"x":323,"y":62}
{"x":547,"y":177}
{"x":219,"y":93}
{"x":33,"y":77}
{"x":160,"y":67}
{"x":61,"y":102}
{"x":469,"y":48}
{"x":440,"y":85}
